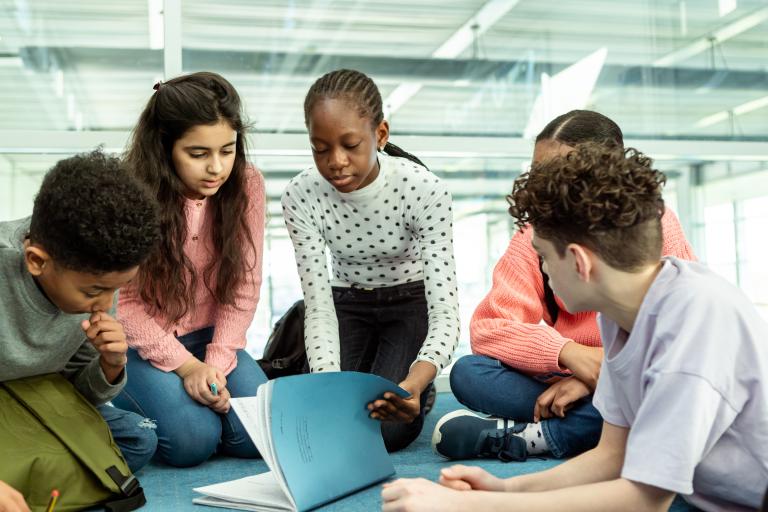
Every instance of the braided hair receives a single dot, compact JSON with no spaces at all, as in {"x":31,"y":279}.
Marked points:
{"x":360,"y":91}
{"x":579,"y":126}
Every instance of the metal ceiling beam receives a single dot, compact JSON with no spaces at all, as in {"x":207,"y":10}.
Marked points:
{"x":443,"y":146}
{"x":487,"y":16}
{"x":385,"y":68}
{"x":717,"y":36}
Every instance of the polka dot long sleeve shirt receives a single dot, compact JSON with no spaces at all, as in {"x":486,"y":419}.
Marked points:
{"x":396,"y":230}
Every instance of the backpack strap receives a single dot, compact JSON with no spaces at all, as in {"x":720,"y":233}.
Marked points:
{"x":549,"y":296}
{"x":133,"y":494}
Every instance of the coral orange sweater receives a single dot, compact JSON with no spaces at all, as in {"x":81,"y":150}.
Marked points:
{"x":507,"y":325}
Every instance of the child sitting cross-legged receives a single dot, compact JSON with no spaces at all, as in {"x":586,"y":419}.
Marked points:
{"x":683,"y":388}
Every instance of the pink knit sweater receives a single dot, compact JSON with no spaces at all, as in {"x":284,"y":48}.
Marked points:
{"x":158,"y":344}
{"x":507,"y":323}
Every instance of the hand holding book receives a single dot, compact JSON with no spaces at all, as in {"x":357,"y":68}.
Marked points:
{"x":394,"y":408}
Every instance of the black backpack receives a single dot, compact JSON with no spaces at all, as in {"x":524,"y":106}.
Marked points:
{"x":285,"y":353}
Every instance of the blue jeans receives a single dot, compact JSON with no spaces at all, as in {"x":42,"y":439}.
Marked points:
{"x":487,"y":385}
{"x":189,"y":432}
{"x":133,"y":434}
{"x":381,"y":331}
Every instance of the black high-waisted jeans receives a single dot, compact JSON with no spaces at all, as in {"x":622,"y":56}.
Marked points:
{"x":381,"y":331}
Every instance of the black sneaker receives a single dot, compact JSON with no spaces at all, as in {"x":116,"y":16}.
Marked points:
{"x":463,"y":434}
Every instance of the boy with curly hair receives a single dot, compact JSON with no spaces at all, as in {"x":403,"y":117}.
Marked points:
{"x":683,"y":412}
{"x":91,"y":227}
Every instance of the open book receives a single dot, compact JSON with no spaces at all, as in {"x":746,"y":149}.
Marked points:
{"x":314,"y":433}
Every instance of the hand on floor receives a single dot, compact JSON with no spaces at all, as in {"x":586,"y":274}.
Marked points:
{"x":417,"y":495}
{"x":468,"y":478}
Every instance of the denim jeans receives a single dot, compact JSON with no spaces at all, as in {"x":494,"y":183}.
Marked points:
{"x":487,"y":385}
{"x":189,"y":432}
{"x":381,"y":331}
{"x":133,"y":434}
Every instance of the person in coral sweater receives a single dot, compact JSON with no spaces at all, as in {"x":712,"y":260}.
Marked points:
{"x":534,"y":365}
{"x":187,"y":313}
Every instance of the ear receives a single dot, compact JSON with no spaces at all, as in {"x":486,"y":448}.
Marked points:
{"x":37,"y":259}
{"x":582,"y":258}
{"x":382,"y":134}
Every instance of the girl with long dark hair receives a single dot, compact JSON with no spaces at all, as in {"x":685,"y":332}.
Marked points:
{"x":187,"y":313}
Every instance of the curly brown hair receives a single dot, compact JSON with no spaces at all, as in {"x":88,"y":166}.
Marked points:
{"x":603,"y":197}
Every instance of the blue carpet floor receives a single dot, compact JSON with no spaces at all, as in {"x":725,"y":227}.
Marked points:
{"x":170,"y":489}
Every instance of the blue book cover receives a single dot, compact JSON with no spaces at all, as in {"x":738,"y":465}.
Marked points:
{"x":314,"y":433}
{"x":324,"y":442}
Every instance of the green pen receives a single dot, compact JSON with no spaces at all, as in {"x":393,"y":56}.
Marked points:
{"x":214,"y":389}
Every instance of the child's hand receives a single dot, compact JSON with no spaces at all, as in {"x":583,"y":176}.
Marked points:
{"x":11,"y":500}
{"x":222,"y":405}
{"x":198,"y":377}
{"x":393,"y":408}
{"x":468,"y":478}
{"x":559,"y":397}
{"x":108,"y":337}
{"x":583,"y":361}
{"x":418,"y":495}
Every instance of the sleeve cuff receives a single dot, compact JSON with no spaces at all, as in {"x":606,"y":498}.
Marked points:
{"x":173,"y":361}
{"x":223,"y":359}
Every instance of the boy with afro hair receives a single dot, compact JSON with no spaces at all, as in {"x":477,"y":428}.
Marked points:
{"x":92,"y":226}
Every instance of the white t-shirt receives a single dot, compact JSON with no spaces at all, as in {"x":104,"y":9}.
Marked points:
{"x":397,"y":230}
{"x":691,"y":384}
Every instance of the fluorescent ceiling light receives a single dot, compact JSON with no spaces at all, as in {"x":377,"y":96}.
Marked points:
{"x":399,"y":96}
{"x":720,"y":35}
{"x":750,"y":106}
{"x":739,"y":110}
{"x":726,"y":7}
{"x":58,"y":83}
{"x":478,"y":24}
{"x":569,"y":89}
{"x":683,"y":18}
{"x":713,"y":119}
{"x":11,"y":62}
{"x":70,"y":106}
{"x":156,"y":29}
{"x":484,"y":19}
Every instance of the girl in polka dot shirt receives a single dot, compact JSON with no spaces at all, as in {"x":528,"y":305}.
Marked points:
{"x":390,"y":305}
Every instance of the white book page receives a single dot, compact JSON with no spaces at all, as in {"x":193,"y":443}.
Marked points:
{"x":258,"y":492}
{"x":254,"y":414}
{"x":265,"y":395}
{"x":249,"y":412}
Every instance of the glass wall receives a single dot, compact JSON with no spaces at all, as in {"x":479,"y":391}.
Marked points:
{"x":466,"y":85}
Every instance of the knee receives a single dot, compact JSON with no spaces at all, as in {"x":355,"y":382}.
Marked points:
{"x":465,"y":374}
{"x":145,"y":445}
{"x":189,"y":441}
{"x":400,"y":435}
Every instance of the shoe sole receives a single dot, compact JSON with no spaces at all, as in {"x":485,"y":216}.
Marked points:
{"x":437,"y":436}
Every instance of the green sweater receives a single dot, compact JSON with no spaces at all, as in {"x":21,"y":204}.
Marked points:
{"x":36,"y":337}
